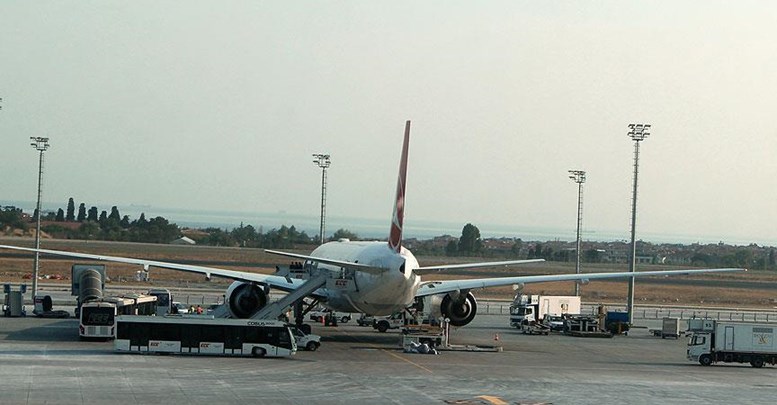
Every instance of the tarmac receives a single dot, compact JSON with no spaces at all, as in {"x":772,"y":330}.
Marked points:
{"x":42,"y":361}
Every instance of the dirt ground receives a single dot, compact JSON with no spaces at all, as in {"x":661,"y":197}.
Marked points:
{"x":750,"y":289}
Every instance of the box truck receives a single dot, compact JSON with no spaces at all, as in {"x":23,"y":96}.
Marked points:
{"x":530,"y":309}
{"x":731,"y":342}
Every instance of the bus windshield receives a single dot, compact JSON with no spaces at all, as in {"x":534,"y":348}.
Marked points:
{"x":97,"y":316}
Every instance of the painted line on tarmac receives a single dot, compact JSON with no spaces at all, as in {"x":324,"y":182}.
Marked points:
{"x":409,"y":361}
{"x":388,"y":352}
{"x":494,"y":400}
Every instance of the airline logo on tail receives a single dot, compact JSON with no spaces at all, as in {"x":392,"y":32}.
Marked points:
{"x":395,"y":236}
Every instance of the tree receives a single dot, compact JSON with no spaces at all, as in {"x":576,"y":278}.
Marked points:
{"x":60,"y":215}
{"x":71,"y":210}
{"x":470,"y":242}
{"x":103,"y":220}
{"x":344,"y":234}
{"x":244,"y":235}
{"x":115,"y":214}
{"x":516,"y":249}
{"x":452,"y":248}
{"x":12,"y":217}
{"x":92,"y":214}
{"x":81,"y":213}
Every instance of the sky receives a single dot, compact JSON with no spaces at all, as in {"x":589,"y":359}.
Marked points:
{"x":219,"y":105}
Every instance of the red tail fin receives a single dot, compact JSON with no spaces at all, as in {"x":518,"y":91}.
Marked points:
{"x":395,"y":236}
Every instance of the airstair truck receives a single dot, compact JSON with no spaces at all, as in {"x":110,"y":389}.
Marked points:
{"x":732,"y":342}
{"x":528,"y":310}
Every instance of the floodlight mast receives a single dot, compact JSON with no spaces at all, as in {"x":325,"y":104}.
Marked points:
{"x":41,"y":145}
{"x":638,"y":133}
{"x":323,"y":162}
{"x":578,"y":176}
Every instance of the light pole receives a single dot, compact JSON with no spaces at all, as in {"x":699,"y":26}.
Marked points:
{"x":638,"y":133}
{"x":578,"y":176}
{"x":40,"y":144}
{"x":323,"y":162}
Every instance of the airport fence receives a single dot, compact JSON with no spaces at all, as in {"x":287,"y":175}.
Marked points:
{"x":647,"y":312}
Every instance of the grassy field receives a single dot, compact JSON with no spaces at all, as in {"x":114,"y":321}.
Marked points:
{"x":751,"y":289}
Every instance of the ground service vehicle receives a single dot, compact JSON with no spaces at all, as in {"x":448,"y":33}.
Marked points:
{"x":365,"y":320}
{"x":307,"y":341}
{"x":670,"y":327}
{"x":97,"y":317}
{"x":320,"y":315}
{"x":232,"y":337}
{"x":395,"y":321}
{"x":530,"y":309}
{"x":164,"y":300}
{"x":731,"y":342}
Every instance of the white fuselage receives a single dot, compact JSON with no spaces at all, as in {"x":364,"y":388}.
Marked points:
{"x":391,"y":290}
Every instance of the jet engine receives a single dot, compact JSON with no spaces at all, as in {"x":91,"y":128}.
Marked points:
{"x":459,"y":308}
{"x":244,"y":299}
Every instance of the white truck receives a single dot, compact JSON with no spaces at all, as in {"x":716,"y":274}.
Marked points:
{"x":731,"y":342}
{"x":527,"y":310}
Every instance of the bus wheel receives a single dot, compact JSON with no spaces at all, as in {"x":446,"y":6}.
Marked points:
{"x":705,"y":360}
{"x":312,"y":346}
{"x":258,"y":352}
{"x":757,"y":362}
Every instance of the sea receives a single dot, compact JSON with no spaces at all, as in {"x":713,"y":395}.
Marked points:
{"x":370,"y":228}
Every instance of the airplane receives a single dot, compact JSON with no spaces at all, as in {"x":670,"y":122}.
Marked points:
{"x":375,"y":278}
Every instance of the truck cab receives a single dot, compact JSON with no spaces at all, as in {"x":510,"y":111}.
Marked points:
{"x":699,"y":344}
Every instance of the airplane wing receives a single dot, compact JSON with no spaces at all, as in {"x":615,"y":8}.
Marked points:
{"x":439,"y":287}
{"x":338,"y":263}
{"x":278,"y":282}
{"x":433,"y":269}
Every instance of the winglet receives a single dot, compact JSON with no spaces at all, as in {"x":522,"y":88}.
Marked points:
{"x":395,"y":236}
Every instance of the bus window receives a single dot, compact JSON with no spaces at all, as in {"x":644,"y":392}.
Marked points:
{"x":233,"y":338}
{"x":165,"y":332}
{"x":284,"y":339}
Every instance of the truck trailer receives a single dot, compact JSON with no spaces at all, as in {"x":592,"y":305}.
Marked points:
{"x":528,"y":310}
{"x":731,"y":342}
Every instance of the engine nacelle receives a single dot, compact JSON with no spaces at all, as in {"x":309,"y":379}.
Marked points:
{"x":460,"y":308}
{"x":244,"y":299}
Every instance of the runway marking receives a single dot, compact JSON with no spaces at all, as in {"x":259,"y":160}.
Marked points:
{"x":409,"y":361}
{"x":493,"y":400}
{"x":388,"y":352}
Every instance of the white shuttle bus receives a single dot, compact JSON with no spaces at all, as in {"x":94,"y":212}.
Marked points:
{"x":97,"y":317}
{"x":230,"y":337}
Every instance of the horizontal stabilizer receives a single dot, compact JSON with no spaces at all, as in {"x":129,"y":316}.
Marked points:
{"x":434,"y":269}
{"x":331,"y":262}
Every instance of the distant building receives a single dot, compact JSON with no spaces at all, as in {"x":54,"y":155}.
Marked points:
{"x":183,"y":240}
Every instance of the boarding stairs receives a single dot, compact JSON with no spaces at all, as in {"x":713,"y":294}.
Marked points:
{"x":275,"y":309}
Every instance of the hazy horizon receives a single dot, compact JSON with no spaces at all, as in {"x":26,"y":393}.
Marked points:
{"x":373,"y":228}
{"x":219,"y":106}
